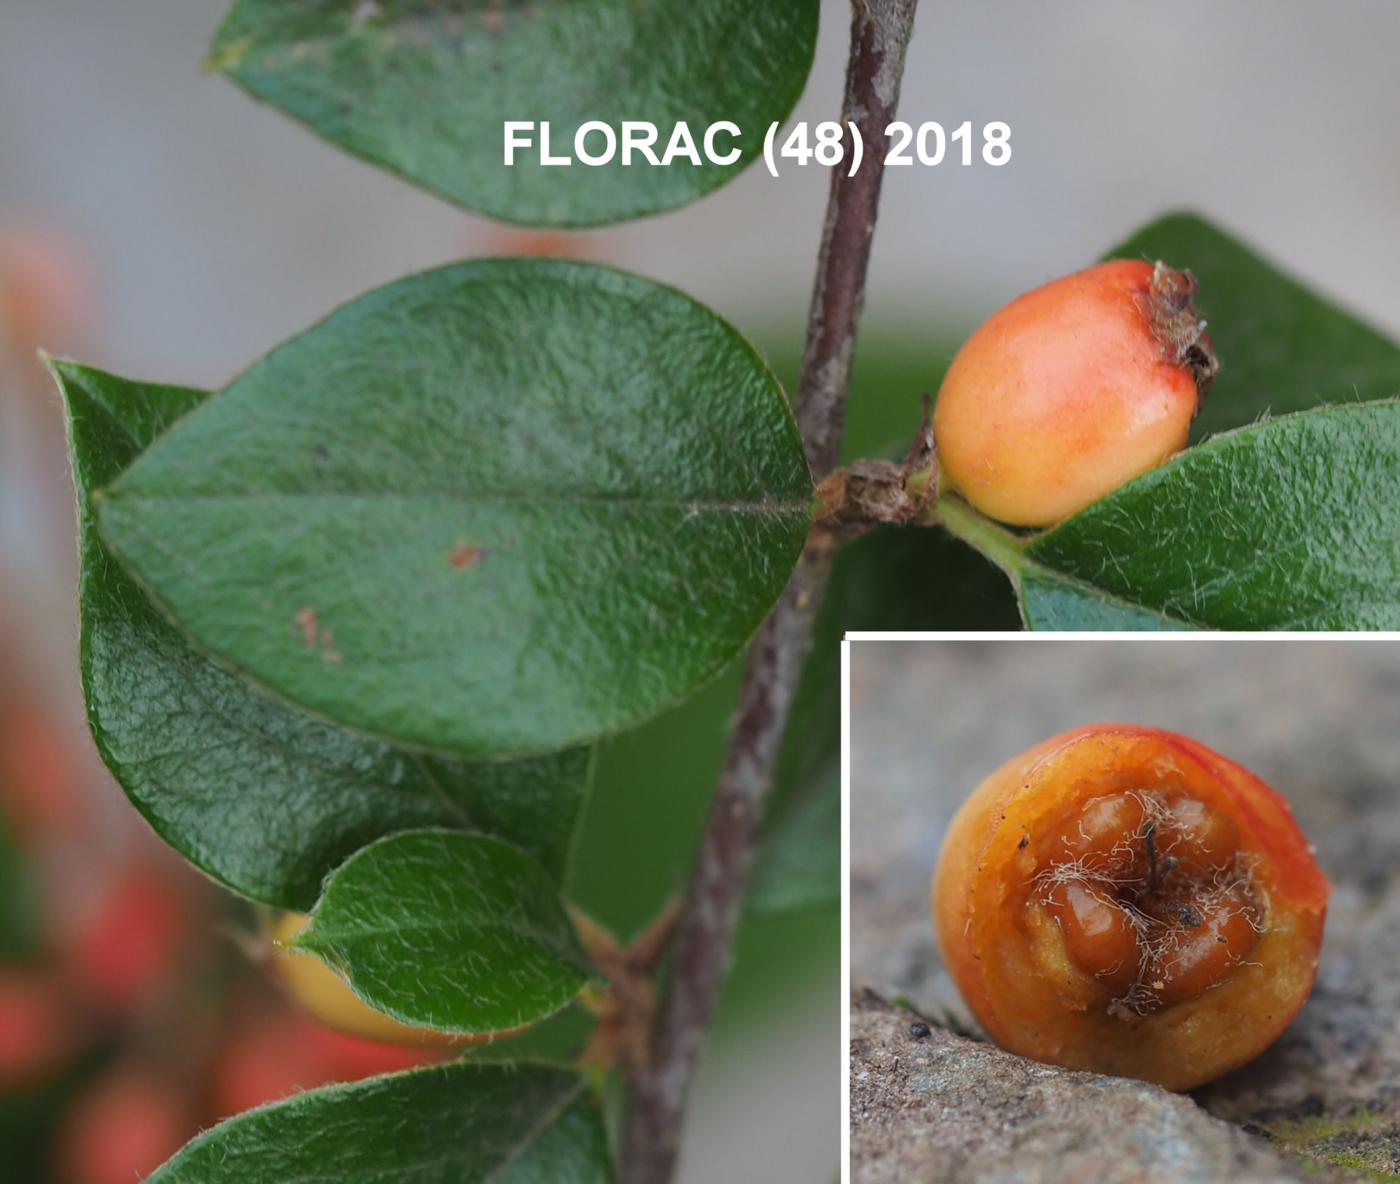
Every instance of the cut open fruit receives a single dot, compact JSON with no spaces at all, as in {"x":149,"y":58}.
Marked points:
{"x":1124,"y":899}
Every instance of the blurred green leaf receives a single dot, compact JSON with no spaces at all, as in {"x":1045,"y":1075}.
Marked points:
{"x":450,"y":931}
{"x":457,"y":1123}
{"x":19,"y":899}
{"x":423,"y":88}
{"x":501,"y":507}
{"x":1283,"y":347}
{"x":261,"y":797}
{"x":35,"y":1115}
{"x":798,"y":863}
{"x":894,"y":579}
{"x":560,"y":1039}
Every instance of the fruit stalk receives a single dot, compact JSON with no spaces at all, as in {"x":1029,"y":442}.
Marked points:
{"x":880,"y":31}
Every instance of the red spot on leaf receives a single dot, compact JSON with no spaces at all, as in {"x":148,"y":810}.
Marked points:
{"x":306,"y":620}
{"x":468,"y":555}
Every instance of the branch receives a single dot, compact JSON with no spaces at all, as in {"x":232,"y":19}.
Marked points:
{"x":880,"y":32}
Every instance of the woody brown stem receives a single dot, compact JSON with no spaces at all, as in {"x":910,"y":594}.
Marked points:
{"x":880,"y":32}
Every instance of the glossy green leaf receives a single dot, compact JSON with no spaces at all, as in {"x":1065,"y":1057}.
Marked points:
{"x":1283,"y":347}
{"x":1290,"y":524}
{"x":263,"y":798}
{"x":451,"y":931}
{"x":424,"y":87}
{"x":457,"y":1123}
{"x":894,"y":579}
{"x":501,"y":507}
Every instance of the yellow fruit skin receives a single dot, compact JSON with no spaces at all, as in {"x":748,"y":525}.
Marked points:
{"x":325,"y":995}
{"x":1061,"y":397}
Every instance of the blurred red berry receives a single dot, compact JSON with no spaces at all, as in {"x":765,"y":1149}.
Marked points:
{"x":36,"y":1035}
{"x":39,"y":775}
{"x":46,"y":287}
{"x":351,"y":1058}
{"x":121,"y":1129}
{"x":284,"y":1053}
{"x":271,"y":1059}
{"x":126,"y":950}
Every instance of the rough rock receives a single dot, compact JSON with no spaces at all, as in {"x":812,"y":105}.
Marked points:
{"x":940,"y":1107}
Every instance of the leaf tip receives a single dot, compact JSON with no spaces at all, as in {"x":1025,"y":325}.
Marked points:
{"x":226,"y":56}
{"x":300,"y":942}
{"x":60,"y":369}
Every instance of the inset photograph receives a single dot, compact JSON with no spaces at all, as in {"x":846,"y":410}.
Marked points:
{"x":1124,"y":910}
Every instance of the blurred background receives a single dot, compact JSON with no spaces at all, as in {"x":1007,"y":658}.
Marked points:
{"x":157,"y":222}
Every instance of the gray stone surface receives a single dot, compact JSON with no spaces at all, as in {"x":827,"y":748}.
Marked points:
{"x":940,"y":1107}
{"x":1317,"y":719}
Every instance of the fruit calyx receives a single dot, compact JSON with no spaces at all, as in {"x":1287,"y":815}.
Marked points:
{"x":1178,"y":327}
{"x":1153,"y":898}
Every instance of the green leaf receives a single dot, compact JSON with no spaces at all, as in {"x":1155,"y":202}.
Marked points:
{"x":449,"y":1124}
{"x":560,"y":1039}
{"x":895,"y":579}
{"x":261,"y":797}
{"x":1290,"y":524}
{"x":450,"y":931}
{"x":501,"y":507}
{"x":1283,"y":347}
{"x":423,"y":88}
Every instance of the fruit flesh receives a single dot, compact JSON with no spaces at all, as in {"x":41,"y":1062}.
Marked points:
{"x":1126,"y":900}
{"x":1068,"y":392}
{"x":1152,"y":897}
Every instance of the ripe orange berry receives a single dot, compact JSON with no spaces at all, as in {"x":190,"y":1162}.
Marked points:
{"x":1124,"y":899}
{"x":1072,"y":390}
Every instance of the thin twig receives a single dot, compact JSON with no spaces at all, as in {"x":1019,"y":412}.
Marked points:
{"x":880,"y":32}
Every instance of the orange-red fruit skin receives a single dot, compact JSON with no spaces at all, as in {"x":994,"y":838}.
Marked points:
{"x":1011,"y":959}
{"x":1061,"y":397}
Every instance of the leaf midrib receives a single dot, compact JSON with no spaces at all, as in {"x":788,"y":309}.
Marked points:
{"x":116,"y":494}
{"x":343,"y":935}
